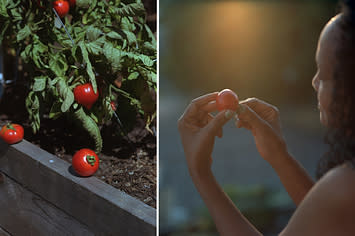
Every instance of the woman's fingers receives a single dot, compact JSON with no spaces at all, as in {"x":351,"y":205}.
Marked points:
{"x":214,"y":127}
{"x":204,"y":99}
{"x":209,"y":107}
{"x":197,"y":105}
{"x":242,"y":124}
{"x":220,"y":131}
{"x":249,"y":117}
{"x":262,"y":108}
{"x":255,"y":103}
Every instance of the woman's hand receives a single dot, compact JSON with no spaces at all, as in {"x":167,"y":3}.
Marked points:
{"x":198,"y":129}
{"x":264,"y":121}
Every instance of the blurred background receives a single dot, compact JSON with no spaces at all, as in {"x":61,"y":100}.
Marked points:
{"x":263,"y":49}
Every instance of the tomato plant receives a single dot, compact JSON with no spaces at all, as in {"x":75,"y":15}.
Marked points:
{"x":113,"y":105}
{"x":12,"y":133}
{"x":84,"y":94}
{"x":106,"y":44}
{"x":72,"y":3}
{"x":227,"y":99}
{"x":85,"y":162}
{"x":40,"y":4}
{"x":61,"y":7}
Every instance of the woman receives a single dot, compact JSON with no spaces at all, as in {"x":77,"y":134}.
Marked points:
{"x":326,"y":207}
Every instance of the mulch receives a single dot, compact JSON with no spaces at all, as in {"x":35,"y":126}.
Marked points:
{"x":128,"y":163}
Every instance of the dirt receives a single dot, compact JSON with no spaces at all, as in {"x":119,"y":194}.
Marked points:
{"x":127,"y":162}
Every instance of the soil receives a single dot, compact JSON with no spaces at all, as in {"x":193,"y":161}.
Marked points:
{"x":127,"y":162}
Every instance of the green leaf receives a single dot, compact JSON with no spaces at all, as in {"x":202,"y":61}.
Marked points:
{"x":91,"y":127}
{"x":23,"y":33}
{"x":131,"y":37}
{"x":83,"y":3}
{"x":133,"y":76}
{"x":55,"y":111}
{"x":37,"y":52}
{"x":150,"y":75}
{"x":149,"y":46}
{"x":39,"y":83}
{"x":93,"y":33}
{"x":58,"y":64}
{"x":139,"y":57}
{"x":32,"y":106}
{"x":16,"y":16}
{"x":25,"y":54}
{"x":96,"y":46}
{"x":114,"y":35}
{"x":66,"y":94}
{"x":134,"y":9}
{"x":151,"y":36}
{"x":3,"y":31}
{"x":89,"y":69}
{"x":126,"y":24}
{"x":3,"y":9}
{"x":113,"y":55}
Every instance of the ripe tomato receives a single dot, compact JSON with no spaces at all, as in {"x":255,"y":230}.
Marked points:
{"x":40,"y":4}
{"x":84,"y":95}
{"x":227,"y":99}
{"x":11,"y":133}
{"x":61,"y":7}
{"x":113,"y":105}
{"x":72,"y":3}
{"x":85,"y":162}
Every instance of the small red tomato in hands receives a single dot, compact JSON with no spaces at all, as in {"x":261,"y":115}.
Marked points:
{"x":84,"y":95}
{"x":12,"y":133}
{"x":85,"y":162}
{"x":61,"y":7}
{"x":227,"y":100}
{"x":72,"y":3}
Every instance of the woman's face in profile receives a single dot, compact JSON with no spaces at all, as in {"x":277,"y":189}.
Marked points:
{"x":325,"y":59}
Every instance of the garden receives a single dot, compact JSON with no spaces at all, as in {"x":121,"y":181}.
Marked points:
{"x":82,"y":75}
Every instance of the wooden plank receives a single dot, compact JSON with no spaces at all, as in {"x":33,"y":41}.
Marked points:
{"x":104,"y":209}
{"x":29,"y":214}
{"x":4,"y":233}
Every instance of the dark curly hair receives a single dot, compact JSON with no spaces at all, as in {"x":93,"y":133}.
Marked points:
{"x":341,"y":131}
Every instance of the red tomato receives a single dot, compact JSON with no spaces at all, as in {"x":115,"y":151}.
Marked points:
{"x":227,"y":99}
{"x":61,"y":7}
{"x":40,"y":4}
{"x":85,"y":162}
{"x":11,"y":133}
{"x":113,"y":105}
{"x":84,"y":95}
{"x":72,"y":3}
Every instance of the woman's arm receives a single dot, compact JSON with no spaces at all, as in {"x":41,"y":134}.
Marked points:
{"x":226,"y":216}
{"x":198,"y":129}
{"x":263,"y":120}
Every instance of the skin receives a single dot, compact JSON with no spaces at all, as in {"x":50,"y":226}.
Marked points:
{"x":324,"y":208}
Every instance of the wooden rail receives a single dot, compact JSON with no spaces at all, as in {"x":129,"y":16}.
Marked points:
{"x":39,"y":194}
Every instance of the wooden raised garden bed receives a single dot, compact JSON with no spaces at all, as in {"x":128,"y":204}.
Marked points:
{"x":41,"y":195}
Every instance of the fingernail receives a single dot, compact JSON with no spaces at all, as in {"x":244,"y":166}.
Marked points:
{"x":240,"y":109}
{"x":229,"y":114}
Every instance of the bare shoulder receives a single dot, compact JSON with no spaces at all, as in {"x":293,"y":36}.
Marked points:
{"x":328,"y":208}
{"x":340,"y":183}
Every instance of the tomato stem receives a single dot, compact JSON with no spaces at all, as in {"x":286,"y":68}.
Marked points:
{"x":10,"y":126}
{"x":91,"y":160}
